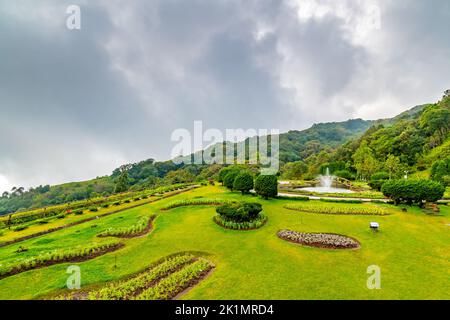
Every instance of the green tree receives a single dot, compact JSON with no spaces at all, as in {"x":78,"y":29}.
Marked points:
{"x":365,"y":162}
{"x":266,"y":186}
{"x":440,"y":171}
{"x":294,"y":170}
{"x":378,"y":179}
{"x":393,"y":166}
{"x":243,"y":182}
{"x":122,"y":183}
{"x":179,"y":176}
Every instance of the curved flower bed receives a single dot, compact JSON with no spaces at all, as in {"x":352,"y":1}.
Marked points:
{"x":164,"y":280}
{"x":194,"y":202}
{"x":247,"y":225}
{"x":338,"y":209}
{"x":46,"y":259}
{"x":320,"y":240}
{"x":142,"y":227}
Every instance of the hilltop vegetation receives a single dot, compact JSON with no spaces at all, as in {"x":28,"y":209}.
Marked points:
{"x":408,"y":144}
{"x":412,"y":142}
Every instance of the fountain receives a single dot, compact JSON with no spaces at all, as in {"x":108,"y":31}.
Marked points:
{"x":326,"y":181}
{"x":326,"y":185}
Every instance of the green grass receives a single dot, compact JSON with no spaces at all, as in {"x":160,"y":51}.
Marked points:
{"x":412,"y":249}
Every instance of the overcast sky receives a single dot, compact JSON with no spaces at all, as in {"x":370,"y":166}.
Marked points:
{"x":75,"y":104}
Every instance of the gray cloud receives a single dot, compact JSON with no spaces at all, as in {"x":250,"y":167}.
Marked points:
{"x":76,"y":104}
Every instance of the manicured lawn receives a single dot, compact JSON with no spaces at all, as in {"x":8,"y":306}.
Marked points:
{"x":412,"y":249}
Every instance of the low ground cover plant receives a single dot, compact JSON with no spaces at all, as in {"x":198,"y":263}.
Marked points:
{"x":340,"y":209}
{"x":342,"y":200}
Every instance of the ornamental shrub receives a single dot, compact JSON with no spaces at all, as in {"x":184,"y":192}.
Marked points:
{"x":413,"y":191}
{"x":377,"y":180}
{"x":239,"y":211}
{"x":229,"y":179}
{"x":266,"y":186}
{"x":243,"y":182}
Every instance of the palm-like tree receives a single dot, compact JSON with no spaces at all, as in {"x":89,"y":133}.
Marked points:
{"x":21,"y":190}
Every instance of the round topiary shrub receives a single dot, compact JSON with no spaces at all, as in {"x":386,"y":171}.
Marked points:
{"x":240,"y":216}
{"x":228,"y":181}
{"x":266,"y":186}
{"x":243,"y":182}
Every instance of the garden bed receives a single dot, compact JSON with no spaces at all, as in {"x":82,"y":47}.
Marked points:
{"x":194,"y":202}
{"x":319,"y":240}
{"x":338,"y":209}
{"x":164,"y":280}
{"x":143,"y":227}
{"x":257,"y":223}
{"x":58,"y":257}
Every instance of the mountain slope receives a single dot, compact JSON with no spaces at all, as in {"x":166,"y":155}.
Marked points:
{"x":417,"y":138}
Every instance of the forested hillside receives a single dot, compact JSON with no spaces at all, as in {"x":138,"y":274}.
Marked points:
{"x":408,"y":144}
{"x":414,"y":142}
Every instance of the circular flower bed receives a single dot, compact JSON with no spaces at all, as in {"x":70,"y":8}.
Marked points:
{"x":240,"y":216}
{"x":256,"y":223}
{"x":320,"y":240}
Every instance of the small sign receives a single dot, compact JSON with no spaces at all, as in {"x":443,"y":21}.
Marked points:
{"x":374,"y":225}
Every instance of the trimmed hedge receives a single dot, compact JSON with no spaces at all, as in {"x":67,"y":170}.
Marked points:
{"x":413,"y":191}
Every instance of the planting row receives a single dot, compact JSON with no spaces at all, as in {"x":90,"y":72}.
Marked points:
{"x":321,"y":240}
{"x":127,"y":289}
{"x":194,"y":202}
{"x":142,"y":227}
{"x":60,"y":211}
{"x":59,"y":256}
{"x":338,"y":209}
{"x":162,"y":281}
{"x":177,"y":282}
